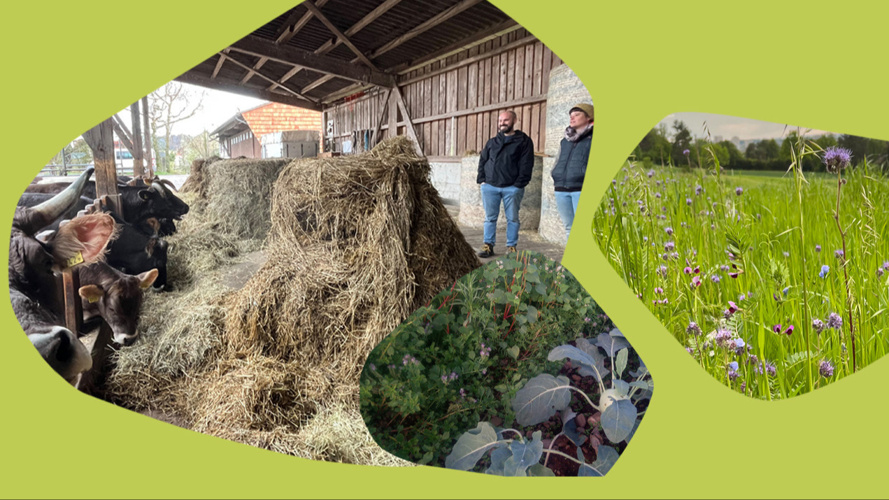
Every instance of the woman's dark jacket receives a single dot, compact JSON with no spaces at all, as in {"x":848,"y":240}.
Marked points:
{"x":570,"y":168}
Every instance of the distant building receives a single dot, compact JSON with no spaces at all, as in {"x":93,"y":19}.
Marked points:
{"x":240,"y":135}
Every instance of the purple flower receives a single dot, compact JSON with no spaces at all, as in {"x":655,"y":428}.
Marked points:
{"x":687,"y":270}
{"x":715,"y":278}
{"x":818,"y":248}
{"x":732,"y":307}
{"x":777,"y":328}
{"x":690,"y":351}
{"x":696,"y":281}
{"x":880,"y":272}
{"x":688,"y":201}
{"x":825,"y":369}
{"x":788,"y":331}
{"x":786,"y":289}
{"x":739,"y":190}
{"x":786,"y":254}
{"x":834,"y":321}
{"x":669,"y":231}
{"x":838,"y":254}
{"x":659,"y":290}
{"x":650,"y":174}
{"x":662,"y":270}
{"x":724,"y":268}
{"x":698,"y":189}
{"x":733,"y":366}
{"x":657,"y":195}
{"x":886,"y":265}
{"x":818,"y":325}
{"x":824,"y":270}
{"x":836,"y":158}
{"x":693,"y":329}
{"x":686,"y":152}
{"x":669,"y":246}
{"x":723,"y":337}
{"x":586,"y":320}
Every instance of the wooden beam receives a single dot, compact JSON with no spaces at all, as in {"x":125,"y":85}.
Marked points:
{"x":234,"y":88}
{"x":295,"y":93}
{"x":481,"y":109}
{"x":147,"y":131}
{"x":259,"y":64}
{"x":393,"y":115}
{"x":287,"y":76}
{"x":260,"y":47}
{"x":218,"y":65}
{"x":317,"y":83}
{"x":339,"y":34}
{"x":428,"y":24}
{"x":344,"y":92}
{"x":123,"y":134}
{"x":481,"y":37}
{"x":469,"y":60}
{"x":138,"y":169}
{"x":376,"y":137}
{"x":407,"y":118}
{"x":73,"y":303}
{"x":294,"y":23}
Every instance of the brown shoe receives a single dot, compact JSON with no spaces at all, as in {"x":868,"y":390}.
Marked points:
{"x":486,"y":251}
{"x":510,"y":250}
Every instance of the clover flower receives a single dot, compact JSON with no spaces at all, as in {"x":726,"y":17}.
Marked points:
{"x":825,"y":269}
{"x":834,"y":321}
{"x":739,"y":190}
{"x":693,"y":329}
{"x":836,"y":158}
{"x":825,"y":368}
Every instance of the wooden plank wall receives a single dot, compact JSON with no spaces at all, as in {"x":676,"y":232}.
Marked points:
{"x":454,"y":104}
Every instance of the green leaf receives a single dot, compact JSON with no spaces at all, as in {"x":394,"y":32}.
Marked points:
{"x":427,"y":457}
{"x":621,"y":362}
{"x":532,"y":314}
{"x":513,"y":352}
{"x":575,"y":354}
{"x":618,"y":420}
{"x":541,"y":398}
{"x":538,"y":470}
{"x":471,"y":446}
{"x":606,"y":456}
{"x":611,"y":344}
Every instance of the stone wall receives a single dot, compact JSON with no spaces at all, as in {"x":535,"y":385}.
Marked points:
{"x":472,"y":213}
{"x":446,"y":179}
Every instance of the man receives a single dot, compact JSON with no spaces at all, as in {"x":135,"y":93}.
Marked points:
{"x":570,"y":168}
{"x":504,"y":170}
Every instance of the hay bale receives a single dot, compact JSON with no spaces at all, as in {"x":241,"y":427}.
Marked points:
{"x":358,"y":243}
{"x":238,"y":194}
{"x":195,"y":181}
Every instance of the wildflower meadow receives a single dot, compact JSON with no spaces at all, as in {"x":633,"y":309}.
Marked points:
{"x":774,"y":282}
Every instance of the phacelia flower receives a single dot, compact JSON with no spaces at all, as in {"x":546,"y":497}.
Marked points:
{"x":838,"y":254}
{"x":669,"y":231}
{"x":662,"y":270}
{"x":688,"y":201}
{"x":693,"y":329}
{"x":826,"y":368}
{"x":836,"y":158}
{"x":659,"y":290}
{"x":834,"y":321}
{"x":733,"y":366}
{"x":825,"y":269}
{"x":669,"y":246}
{"x":818,"y":325}
{"x":886,"y":265}
{"x":880,"y":272}
{"x":586,"y":320}
{"x":650,"y":174}
{"x":723,"y":337}
{"x":739,"y":190}
{"x":686,"y":152}
{"x":818,"y":248}
{"x":715,"y":278}
{"x":698,"y":189}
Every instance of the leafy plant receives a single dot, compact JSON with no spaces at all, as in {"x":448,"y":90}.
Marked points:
{"x":547,"y":395}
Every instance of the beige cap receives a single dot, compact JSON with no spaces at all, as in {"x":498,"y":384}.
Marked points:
{"x":586,"y":108}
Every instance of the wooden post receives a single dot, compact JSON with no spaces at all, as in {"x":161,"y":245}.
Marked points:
{"x":101,"y":140}
{"x":379,"y":126}
{"x":393,"y":115}
{"x":137,"y":140}
{"x":89,"y":380}
{"x":147,"y":131}
{"x":64,"y":163}
{"x":73,"y":304}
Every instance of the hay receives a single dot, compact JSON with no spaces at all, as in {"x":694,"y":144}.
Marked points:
{"x":238,"y":194}
{"x":195,"y":181}
{"x":355,"y":245}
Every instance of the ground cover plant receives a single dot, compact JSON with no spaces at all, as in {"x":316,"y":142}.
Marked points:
{"x":466,"y":356}
{"x":776,"y":285}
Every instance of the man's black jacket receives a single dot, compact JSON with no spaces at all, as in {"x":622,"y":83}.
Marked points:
{"x":507,"y":160}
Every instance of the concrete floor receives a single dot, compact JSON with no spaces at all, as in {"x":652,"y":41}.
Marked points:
{"x":528,"y":240}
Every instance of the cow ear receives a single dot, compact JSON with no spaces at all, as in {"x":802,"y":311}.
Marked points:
{"x":145,"y":194}
{"x":83,"y":239}
{"x":92,"y":293}
{"x":147,"y":278}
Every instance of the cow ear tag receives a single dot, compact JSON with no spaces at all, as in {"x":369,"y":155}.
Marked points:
{"x":73,"y":261}
{"x":93,"y":300}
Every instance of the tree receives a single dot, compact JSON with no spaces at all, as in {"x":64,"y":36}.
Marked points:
{"x":655,"y":146}
{"x":681,"y":142}
{"x":199,"y":146}
{"x":167,"y":106}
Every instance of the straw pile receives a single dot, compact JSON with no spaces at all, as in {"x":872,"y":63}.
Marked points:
{"x":355,"y":245}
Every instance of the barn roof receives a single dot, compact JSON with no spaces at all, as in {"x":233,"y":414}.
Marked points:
{"x":322,"y":51}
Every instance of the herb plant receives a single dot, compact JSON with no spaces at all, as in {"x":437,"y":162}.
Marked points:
{"x":547,"y":395}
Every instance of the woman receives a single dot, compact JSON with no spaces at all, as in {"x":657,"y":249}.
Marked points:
{"x":570,"y":168}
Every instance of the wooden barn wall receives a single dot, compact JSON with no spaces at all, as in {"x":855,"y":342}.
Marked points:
{"x":454,"y":105}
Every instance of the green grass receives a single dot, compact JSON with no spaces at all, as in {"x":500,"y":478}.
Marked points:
{"x":771,"y":255}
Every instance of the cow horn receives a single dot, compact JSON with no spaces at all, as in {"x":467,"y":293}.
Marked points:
{"x":51,"y":209}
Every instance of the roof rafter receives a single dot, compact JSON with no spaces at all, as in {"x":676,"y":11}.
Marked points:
{"x":425,"y":26}
{"x":339,"y":34}
{"x":235,"y":88}
{"x":295,"y":93}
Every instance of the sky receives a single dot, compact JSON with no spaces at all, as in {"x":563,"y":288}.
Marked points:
{"x":216,"y":108}
{"x":730,"y":126}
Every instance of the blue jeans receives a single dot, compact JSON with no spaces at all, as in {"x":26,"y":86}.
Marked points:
{"x":511,"y":197}
{"x":566,"y":203}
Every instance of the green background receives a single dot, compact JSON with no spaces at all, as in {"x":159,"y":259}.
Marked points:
{"x":814,"y":64}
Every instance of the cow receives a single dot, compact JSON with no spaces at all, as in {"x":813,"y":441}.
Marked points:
{"x":34,"y":199}
{"x":32,"y":284}
{"x":137,"y":250}
{"x":114,"y":297}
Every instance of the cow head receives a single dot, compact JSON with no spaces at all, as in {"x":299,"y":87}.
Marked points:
{"x":162,"y":203}
{"x":31,"y":265}
{"x":118,"y":299}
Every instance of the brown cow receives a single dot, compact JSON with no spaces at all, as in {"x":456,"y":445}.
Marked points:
{"x":114,"y":296}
